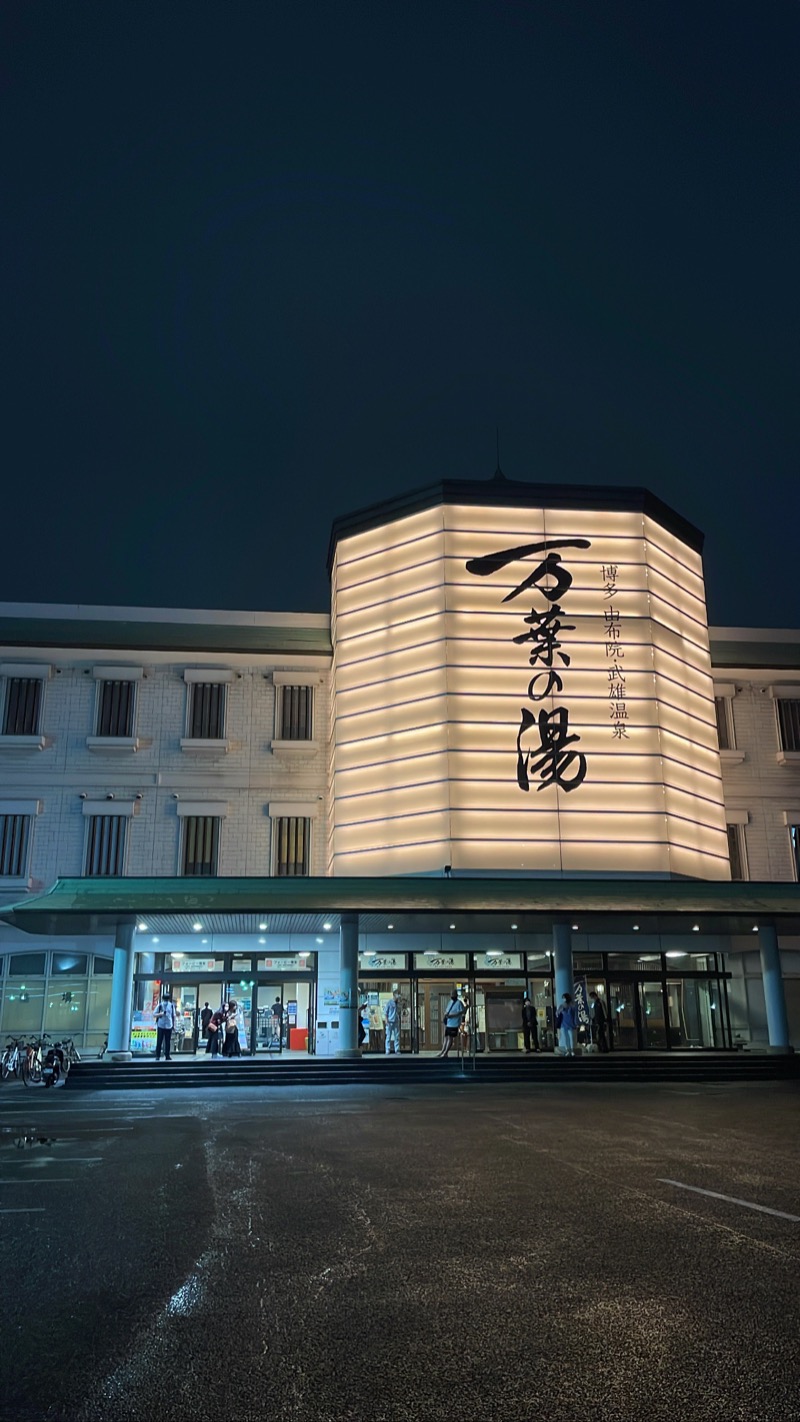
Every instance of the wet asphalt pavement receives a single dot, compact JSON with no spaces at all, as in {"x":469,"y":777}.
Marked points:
{"x":401,"y":1255}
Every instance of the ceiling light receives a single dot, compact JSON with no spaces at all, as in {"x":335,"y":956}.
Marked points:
{"x":574,"y":928}
{"x":390,"y":925}
{"x":327,"y":926}
{"x":695,"y":928}
{"x":755,"y":928}
{"x":431,"y":953}
{"x":636,"y":928}
{"x":156,"y":940}
{"x":142,"y":927}
{"x":177,"y":955}
{"x":495,"y":953}
{"x":262,"y":927}
{"x":452,"y":925}
{"x":514,"y":927}
{"x":676,"y":953}
{"x":203,"y":940}
{"x":197,"y":927}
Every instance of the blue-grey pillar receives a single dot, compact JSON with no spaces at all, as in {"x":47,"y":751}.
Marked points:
{"x":774,"y":996}
{"x":119,"y":1026}
{"x":562,"y":960}
{"x":348,"y":986}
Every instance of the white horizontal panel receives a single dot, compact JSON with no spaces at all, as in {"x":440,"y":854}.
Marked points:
{"x":207,"y":676}
{"x":388,"y":586}
{"x":495,"y":856}
{"x":473,"y":686}
{"x":386,"y":721}
{"x":699,"y":808}
{"x":403,"y":541}
{"x":217,"y":809}
{"x":518,"y":525}
{"x":465,"y":598}
{"x":20,"y":807}
{"x":592,"y":796}
{"x":402,"y":859}
{"x":423,"y":742}
{"x":109,"y":673}
{"x":672,"y":546}
{"x":695,"y":864}
{"x":352,"y":702}
{"x":367,"y":779}
{"x":368,"y":671}
{"x":294,"y":809}
{"x":296,"y":677}
{"x":428,"y":602}
{"x":642,"y":858}
{"x":26,"y":671}
{"x":125,"y":808}
{"x":384,"y":802}
{"x":391,"y":833}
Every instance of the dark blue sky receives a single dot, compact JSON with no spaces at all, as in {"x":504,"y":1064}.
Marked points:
{"x":264,"y":263}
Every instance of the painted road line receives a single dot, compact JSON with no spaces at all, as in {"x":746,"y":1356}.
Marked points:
{"x":34,"y":1210}
{"x":47,"y":1180}
{"x":732,"y":1200}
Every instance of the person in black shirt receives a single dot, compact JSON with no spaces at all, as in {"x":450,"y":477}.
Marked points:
{"x":599,"y":1022}
{"x":530,"y":1026}
{"x":205,"y":1018}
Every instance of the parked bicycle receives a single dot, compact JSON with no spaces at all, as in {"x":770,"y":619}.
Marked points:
{"x":33,"y":1061}
{"x":11,"y":1060}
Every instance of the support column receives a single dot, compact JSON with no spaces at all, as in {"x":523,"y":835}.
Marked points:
{"x":562,"y":961}
{"x":774,"y":996}
{"x":348,"y":986}
{"x":119,"y":1027}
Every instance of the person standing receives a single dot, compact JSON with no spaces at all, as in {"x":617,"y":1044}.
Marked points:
{"x":205,"y":1017}
{"x":230,"y":1043}
{"x":530,"y":1026}
{"x":277,"y":1023}
{"x":568,"y":1014}
{"x":214,"y":1030}
{"x":453,"y":1017}
{"x":391,"y":1019}
{"x":599,"y":1022}
{"x":165,"y":1026}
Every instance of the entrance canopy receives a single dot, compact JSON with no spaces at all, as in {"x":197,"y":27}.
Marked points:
{"x":410,"y":905}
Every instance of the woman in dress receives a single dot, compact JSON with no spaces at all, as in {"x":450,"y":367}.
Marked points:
{"x":230,"y":1044}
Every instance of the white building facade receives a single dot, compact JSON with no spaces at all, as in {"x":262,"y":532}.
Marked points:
{"x":516,"y":686}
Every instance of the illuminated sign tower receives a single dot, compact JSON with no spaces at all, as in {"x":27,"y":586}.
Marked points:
{"x":522,"y":684}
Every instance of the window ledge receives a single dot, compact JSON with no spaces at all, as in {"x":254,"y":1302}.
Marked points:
{"x":731,"y":757}
{"x":22,"y":743}
{"x":205,"y":747}
{"x":22,"y":885}
{"x":294,"y":747}
{"x":788,"y":757}
{"x":112,"y":744}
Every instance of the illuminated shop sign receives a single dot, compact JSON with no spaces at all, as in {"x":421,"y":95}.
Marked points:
{"x":375,"y":962}
{"x":523,"y":689}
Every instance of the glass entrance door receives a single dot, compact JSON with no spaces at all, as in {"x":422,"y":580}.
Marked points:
{"x":694,"y":1013}
{"x":186,"y":997}
{"x":623,"y":1016}
{"x":242,"y":995}
{"x":651,"y":1014}
{"x":498,"y":1014}
{"x":432,"y":998}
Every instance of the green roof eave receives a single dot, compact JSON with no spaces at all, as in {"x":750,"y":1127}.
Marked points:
{"x":95,"y":905}
{"x":200,"y":637}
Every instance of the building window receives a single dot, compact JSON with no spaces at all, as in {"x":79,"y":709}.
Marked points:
{"x":105,"y":846}
{"x":200,"y":845}
{"x":794,"y":833}
{"x":15,"y":834}
{"x":736,"y":851}
{"x":296,"y":705}
{"x":722,"y":707}
{"x":23,"y":706}
{"x":115,"y":710}
{"x":291,"y":834}
{"x":789,"y":724}
{"x":206,"y":711}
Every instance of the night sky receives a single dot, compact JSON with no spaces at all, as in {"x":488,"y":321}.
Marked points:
{"x":265,"y":263}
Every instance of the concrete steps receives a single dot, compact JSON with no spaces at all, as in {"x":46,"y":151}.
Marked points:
{"x":418,"y":1071}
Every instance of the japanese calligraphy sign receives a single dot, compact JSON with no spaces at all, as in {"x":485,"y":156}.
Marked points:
{"x":523,"y":689}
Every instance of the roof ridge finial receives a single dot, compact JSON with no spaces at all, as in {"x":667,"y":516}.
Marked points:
{"x":498,"y":473}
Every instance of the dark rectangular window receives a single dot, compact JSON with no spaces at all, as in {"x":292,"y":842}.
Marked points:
{"x":200,"y":845}
{"x":14,"y":837}
{"x":296,"y":702}
{"x":115,"y":714}
{"x":207,"y":711}
{"x":23,"y":965}
{"x":789,"y":724}
{"x":105,"y":847}
{"x":723,"y":723}
{"x":735,"y":852}
{"x":23,"y":704}
{"x":794,"y":834}
{"x":291,"y":846}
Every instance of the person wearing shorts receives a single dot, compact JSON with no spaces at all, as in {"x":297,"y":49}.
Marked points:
{"x":453,"y":1017}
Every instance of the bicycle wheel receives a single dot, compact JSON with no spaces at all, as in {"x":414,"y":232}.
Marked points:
{"x":32,"y":1069}
{"x":5,"y":1067}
